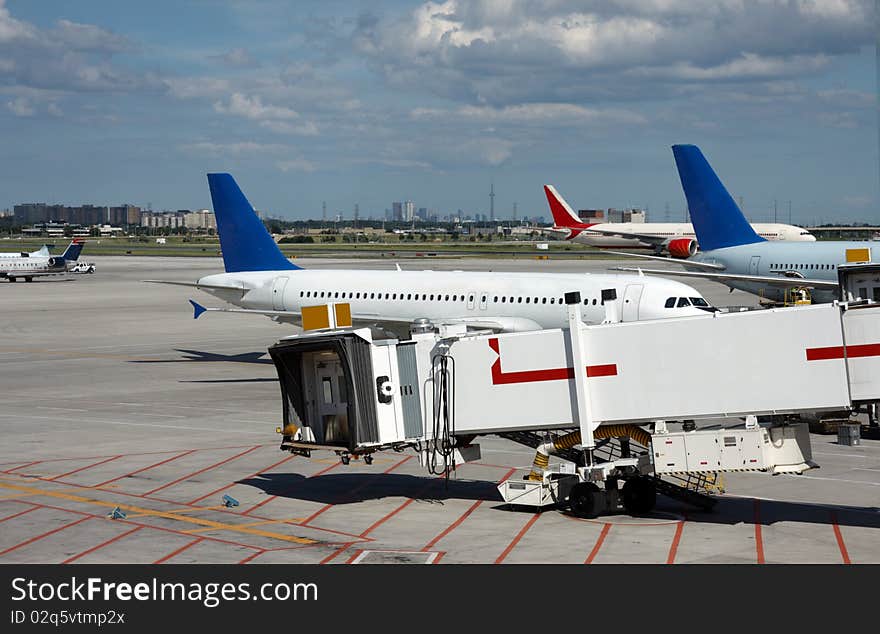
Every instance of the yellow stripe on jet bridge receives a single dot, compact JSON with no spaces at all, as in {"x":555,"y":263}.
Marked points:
{"x":315,"y":317}
{"x":858,"y":255}
{"x":343,"y":315}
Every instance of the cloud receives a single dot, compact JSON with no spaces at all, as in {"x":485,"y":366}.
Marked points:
{"x":296,"y":165}
{"x":70,"y":57}
{"x":532,"y":113}
{"x":20,"y":107}
{"x":306,"y":128}
{"x":253,"y":108}
{"x":238,"y":58}
{"x":207,"y":148}
{"x":196,"y":87}
{"x":502,"y":53}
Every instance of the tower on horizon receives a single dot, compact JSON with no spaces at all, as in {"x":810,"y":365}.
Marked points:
{"x":492,"y":202}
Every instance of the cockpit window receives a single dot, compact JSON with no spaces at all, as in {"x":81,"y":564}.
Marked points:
{"x":682,"y":302}
{"x":670,"y":303}
{"x":699,"y":301}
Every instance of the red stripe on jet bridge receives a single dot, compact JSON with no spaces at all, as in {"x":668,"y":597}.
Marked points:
{"x":838,"y":352}
{"x":500,"y":377}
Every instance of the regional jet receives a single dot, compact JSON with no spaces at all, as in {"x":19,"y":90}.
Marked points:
{"x":678,"y":239}
{"x":41,"y":252}
{"x":733,"y":254}
{"x":259,"y":279}
{"x":29,"y":266}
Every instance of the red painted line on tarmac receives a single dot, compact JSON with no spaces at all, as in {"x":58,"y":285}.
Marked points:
{"x":253,"y":475}
{"x":675,"y":540}
{"x":350,"y":493}
{"x":843,"y":552}
{"x":439,"y":557}
{"x":179,"y":550}
{"x":599,"y":542}
{"x":387,"y":517}
{"x":137,"y":471}
{"x":272,"y":497}
{"x":452,"y":526}
{"x":463,"y":517}
{"x":337,"y":552}
{"x":759,"y":542}
{"x":101,"y":545}
{"x":200,"y":471}
{"x":33,"y":508}
{"x":354,"y":556}
{"x":518,"y":537}
{"x":43,"y":535}
{"x":252,"y":557}
{"x":64,"y":475}
{"x":27,"y":464}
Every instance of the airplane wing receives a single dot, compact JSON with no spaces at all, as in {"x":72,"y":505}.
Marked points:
{"x":496,"y":324}
{"x":653,"y":240}
{"x":197,"y":285}
{"x":700,"y":265}
{"x":771,"y":280}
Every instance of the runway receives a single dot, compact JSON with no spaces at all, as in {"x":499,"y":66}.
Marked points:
{"x":114,"y":397}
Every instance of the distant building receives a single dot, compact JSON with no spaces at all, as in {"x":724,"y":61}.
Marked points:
{"x":124,"y":215}
{"x":626,"y":215}
{"x":397,"y":211}
{"x":591,"y":215}
{"x":408,"y":210}
{"x":31,"y":213}
{"x":201,"y":220}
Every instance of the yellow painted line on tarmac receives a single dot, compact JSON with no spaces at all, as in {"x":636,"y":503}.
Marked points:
{"x":186,"y":510}
{"x":163,"y":514}
{"x":249,"y":524}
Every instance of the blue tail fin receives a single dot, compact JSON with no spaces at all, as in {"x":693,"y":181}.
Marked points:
{"x":244,"y":241}
{"x":718,"y":222}
{"x":71,"y":254}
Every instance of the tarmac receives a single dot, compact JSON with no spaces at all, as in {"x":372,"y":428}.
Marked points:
{"x":116,"y":402}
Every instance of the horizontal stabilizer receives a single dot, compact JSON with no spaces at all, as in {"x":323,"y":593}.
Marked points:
{"x":198,"y":309}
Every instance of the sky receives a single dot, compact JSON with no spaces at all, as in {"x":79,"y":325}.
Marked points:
{"x":109,"y":102}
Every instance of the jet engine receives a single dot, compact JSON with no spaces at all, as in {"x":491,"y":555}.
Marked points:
{"x":56,"y":262}
{"x":681,"y":248}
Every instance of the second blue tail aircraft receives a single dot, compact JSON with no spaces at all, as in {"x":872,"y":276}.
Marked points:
{"x":733,"y":254}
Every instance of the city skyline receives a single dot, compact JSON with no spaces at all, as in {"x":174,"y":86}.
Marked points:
{"x":436,"y":102}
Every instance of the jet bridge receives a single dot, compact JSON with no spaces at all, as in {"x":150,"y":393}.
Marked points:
{"x":583,"y":387}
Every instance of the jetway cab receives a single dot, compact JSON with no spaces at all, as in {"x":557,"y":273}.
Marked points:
{"x":331,"y":399}
{"x":859,"y":281}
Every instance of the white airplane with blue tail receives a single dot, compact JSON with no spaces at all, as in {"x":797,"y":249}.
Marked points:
{"x":733,"y":254}
{"x":259,"y":279}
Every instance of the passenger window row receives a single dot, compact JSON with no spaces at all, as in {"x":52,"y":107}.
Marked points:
{"x":806,"y":267}
{"x":430,"y":297}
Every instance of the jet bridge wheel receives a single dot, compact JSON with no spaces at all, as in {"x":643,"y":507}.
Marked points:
{"x":584,"y":500}
{"x":639,"y":496}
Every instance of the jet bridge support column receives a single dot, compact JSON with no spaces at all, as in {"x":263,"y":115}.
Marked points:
{"x":584,"y":408}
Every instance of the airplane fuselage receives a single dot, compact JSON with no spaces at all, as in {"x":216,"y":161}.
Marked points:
{"x":516,"y":301}
{"x":671,"y":230}
{"x":818,"y":261}
{"x":12,"y":268}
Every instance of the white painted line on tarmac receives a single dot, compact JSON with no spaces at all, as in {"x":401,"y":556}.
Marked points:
{"x":873,"y":484}
{"x":129,"y":424}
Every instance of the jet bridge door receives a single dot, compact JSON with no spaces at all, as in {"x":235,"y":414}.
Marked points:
{"x":278,"y":287}
{"x":631,"y":298}
{"x":331,"y":400}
